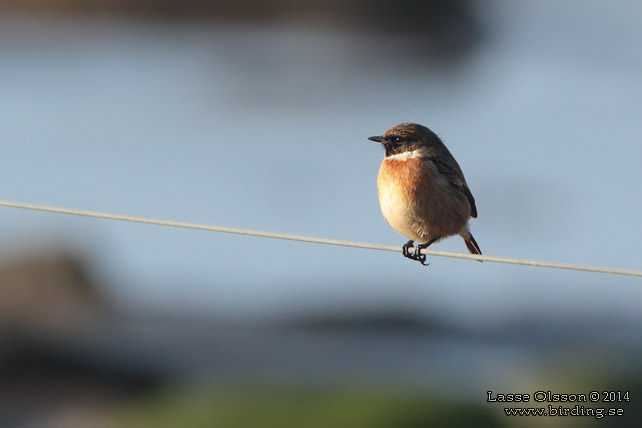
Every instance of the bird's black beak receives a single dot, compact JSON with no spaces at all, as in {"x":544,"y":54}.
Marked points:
{"x":377,"y":139}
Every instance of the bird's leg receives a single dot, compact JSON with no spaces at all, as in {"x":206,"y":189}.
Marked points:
{"x":404,"y":249}
{"x":415,"y":255}
{"x":419,"y":256}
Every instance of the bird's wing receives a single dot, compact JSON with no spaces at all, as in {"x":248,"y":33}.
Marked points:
{"x":471,"y":200}
{"x":453,"y":175}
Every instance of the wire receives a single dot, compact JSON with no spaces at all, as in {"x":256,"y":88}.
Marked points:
{"x":327,"y":241}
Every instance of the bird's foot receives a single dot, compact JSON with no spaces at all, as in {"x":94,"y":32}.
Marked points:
{"x":416,"y":253}
{"x":421,"y":258}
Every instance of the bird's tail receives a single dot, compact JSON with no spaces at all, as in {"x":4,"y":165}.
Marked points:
{"x":471,"y":244}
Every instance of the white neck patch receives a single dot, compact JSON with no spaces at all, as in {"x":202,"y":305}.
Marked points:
{"x":406,"y":155}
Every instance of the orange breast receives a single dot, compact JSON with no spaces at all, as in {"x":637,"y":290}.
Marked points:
{"x":417,"y":203}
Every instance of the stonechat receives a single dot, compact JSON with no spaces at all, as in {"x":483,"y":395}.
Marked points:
{"x":422,"y":192}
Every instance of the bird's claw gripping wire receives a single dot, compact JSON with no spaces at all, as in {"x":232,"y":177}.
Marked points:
{"x":416,"y":253}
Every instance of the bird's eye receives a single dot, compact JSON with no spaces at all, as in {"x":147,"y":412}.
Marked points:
{"x":396,"y":140}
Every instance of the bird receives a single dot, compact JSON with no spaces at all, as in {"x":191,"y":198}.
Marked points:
{"x":422,"y":191}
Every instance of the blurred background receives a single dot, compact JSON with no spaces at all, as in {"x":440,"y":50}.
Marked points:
{"x":255,"y":115}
